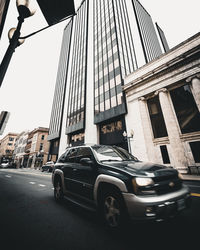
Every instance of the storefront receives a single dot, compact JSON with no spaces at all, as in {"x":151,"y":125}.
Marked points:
{"x":111,"y":133}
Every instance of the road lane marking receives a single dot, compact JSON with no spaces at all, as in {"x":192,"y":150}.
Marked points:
{"x":8,"y":176}
{"x":32,"y":182}
{"x":195,"y":194}
{"x":42,"y":185}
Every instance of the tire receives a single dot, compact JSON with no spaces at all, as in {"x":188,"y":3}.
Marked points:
{"x":113,"y":209}
{"x":58,"y":190}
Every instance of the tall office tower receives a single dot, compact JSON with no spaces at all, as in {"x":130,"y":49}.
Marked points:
{"x":105,"y":41}
{"x":59,"y":94}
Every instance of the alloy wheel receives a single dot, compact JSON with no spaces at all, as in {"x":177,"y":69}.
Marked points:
{"x":58,"y":193}
{"x":112,"y":211}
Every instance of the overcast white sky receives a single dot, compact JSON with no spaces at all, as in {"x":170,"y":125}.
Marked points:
{"x":28,"y":87}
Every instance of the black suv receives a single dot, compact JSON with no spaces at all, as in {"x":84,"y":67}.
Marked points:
{"x":120,"y":186}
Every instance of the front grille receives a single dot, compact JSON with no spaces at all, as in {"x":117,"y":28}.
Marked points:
{"x":167,"y":184}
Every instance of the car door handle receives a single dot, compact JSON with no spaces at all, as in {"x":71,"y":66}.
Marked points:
{"x":74,"y":169}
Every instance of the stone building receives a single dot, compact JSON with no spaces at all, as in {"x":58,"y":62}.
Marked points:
{"x":163,"y":102}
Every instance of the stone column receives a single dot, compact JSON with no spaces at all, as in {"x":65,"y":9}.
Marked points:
{"x":178,"y":153}
{"x":147,"y":131}
{"x":195,"y":87}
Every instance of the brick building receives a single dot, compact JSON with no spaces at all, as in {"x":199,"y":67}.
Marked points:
{"x":7,"y":146}
{"x":37,"y":147}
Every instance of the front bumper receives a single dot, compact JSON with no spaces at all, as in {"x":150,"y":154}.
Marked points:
{"x":157,"y":207}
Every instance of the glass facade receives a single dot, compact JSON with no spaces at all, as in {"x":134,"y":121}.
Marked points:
{"x":114,"y":55}
{"x":162,"y":38}
{"x":102,"y":28}
{"x":77,"y":90}
{"x":148,"y":37}
{"x":60,"y":88}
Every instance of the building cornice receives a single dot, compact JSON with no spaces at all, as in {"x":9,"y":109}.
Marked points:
{"x":166,"y":63}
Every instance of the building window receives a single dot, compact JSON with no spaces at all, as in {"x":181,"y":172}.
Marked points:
{"x":156,"y":116}
{"x":112,"y":127}
{"x":11,"y":139}
{"x":186,"y":109}
{"x":77,"y":139}
{"x":42,"y":137}
{"x":195,"y":147}
{"x":41,"y":146}
{"x":164,"y":153}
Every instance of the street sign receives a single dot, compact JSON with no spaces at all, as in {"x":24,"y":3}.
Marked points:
{"x":56,"y":10}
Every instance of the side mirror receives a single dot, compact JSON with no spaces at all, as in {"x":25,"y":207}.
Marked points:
{"x":86,"y":161}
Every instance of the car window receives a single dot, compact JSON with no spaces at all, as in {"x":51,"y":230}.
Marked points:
{"x":109,"y":153}
{"x":71,"y":156}
{"x":63,"y":156}
{"x":84,"y":152}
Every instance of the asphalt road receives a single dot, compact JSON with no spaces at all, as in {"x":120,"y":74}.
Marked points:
{"x":31,"y":219}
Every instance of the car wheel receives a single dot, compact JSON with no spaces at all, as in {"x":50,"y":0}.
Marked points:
{"x":113,"y":210}
{"x":58,"y":190}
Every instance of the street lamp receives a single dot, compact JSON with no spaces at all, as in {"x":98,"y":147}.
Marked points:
{"x":54,"y":13}
{"x":25,"y":11}
{"x":128,"y":138}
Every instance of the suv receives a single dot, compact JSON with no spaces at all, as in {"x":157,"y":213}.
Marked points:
{"x":117,"y":184}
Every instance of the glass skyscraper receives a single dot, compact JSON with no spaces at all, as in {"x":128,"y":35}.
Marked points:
{"x":106,"y":41}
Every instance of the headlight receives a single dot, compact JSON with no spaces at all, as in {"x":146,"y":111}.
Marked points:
{"x":142,"y":181}
{"x":143,"y":186}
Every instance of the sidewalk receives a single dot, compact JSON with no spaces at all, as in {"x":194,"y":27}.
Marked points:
{"x":190,"y":177}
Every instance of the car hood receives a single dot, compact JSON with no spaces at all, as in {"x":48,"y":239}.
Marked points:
{"x":142,"y":168}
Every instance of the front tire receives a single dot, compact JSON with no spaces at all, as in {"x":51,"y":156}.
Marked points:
{"x":58,"y":191}
{"x":113,"y":210}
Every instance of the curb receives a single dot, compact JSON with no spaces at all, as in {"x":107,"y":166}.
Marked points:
{"x":191,"y":177}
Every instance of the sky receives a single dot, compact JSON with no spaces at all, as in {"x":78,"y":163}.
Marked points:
{"x":28,"y":87}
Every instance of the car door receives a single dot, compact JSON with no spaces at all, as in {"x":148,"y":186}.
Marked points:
{"x":84,"y":174}
{"x":67,"y":168}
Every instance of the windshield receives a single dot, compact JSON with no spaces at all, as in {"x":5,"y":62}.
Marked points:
{"x":112,"y":153}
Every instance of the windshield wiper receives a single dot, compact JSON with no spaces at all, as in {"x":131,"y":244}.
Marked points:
{"x":109,"y":160}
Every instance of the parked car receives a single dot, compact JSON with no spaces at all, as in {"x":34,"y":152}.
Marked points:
{"x":8,"y":165}
{"x":48,"y":166}
{"x":118,"y":185}
{"x":5,"y":165}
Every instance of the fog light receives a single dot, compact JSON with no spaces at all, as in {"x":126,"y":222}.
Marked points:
{"x":150,"y":211}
